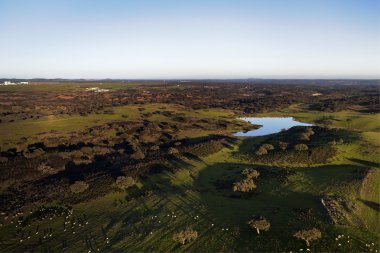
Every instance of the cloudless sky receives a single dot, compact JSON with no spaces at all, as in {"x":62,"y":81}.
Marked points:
{"x":190,"y":38}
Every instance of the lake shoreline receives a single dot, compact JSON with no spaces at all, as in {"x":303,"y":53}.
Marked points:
{"x":269,"y":125}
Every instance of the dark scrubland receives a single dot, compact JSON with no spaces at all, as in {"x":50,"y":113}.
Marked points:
{"x":154,"y":166}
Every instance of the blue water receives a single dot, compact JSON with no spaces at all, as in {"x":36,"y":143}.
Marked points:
{"x":270,"y":125}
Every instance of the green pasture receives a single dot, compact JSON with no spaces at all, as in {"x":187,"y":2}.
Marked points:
{"x":189,"y":198}
{"x":12,"y":132}
{"x":145,"y":217}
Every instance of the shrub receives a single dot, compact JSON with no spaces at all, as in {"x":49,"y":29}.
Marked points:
{"x":283,"y":145}
{"x":308,"y":235}
{"x":334,"y":142}
{"x":251,"y":173}
{"x":259,"y":223}
{"x":78,"y":187}
{"x":33,"y":153}
{"x":138,"y":155}
{"x":3,"y":159}
{"x":173,"y":151}
{"x":244,"y":185}
{"x":185,"y":236}
{"x":124,"y":182}
{"x":45,"y":169}
{"x":301,"y":147}
{"x":155,"y":148}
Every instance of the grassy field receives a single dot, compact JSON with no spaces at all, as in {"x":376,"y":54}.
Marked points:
{"x":349,"y":119}
{"x":12,"y":132}
{"x":182,"y":199}
{"x":145,"y":217}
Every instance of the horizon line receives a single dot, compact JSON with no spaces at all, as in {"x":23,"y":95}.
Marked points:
{"x":208,"y":78}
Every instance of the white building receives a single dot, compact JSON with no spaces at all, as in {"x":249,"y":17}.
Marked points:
{"x":11,"y":83}
{"x":97,"y":89}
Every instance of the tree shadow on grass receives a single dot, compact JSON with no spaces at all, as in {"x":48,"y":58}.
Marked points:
{"x":364,"y":162}
{"x":371,"y":204}
{"x":179,"y":162}
{"x":192,"y":157}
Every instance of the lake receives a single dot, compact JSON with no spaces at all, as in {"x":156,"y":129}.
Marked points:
{"x":270,"y":125}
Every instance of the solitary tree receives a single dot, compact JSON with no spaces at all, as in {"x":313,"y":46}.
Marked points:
{"x":283,"y":145}
{"x":138,"y":155}
{"x":244,"y":185}
{"x":251,"y":173}
{"x":78,"y":187}
{"x":306,"y":135}
{"x":259,"y":223}
{"x":267,"y":146}
{"x":308,"y":235}
{"x":172,"y":151}
{"x":123,"y":182}
{"x":309,"y":130}
{"x":301,"y":147}
{"x":46,"y":169}
{"x":185,"y":236}
{"x":261,"y":151}
{"x":155,"y":148}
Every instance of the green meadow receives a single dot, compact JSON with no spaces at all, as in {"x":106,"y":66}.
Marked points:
{"x":31,"y":129}
{"x":145,"y":217}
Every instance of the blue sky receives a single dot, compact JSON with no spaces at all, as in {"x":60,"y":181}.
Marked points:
{"x":190,"y":38}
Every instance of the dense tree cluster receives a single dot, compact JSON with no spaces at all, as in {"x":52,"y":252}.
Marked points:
{"x":247,"y":184}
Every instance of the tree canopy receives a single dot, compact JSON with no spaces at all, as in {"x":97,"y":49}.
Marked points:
{"x":78,"y":187}
{"x":244,"y":185}
{"x":308,"y":235}
{"x":259,"y":223}
{"x":123,"y":182}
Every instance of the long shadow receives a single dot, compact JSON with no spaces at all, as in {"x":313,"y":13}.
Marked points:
{"x":192,"y":157}
{"x":371,"y":204}
{"x":364,"y":162}
{"x":178,"y":162}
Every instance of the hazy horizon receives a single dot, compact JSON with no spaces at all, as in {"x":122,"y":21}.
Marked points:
{"x":190,"y":40}
{"x":193,"y":79}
